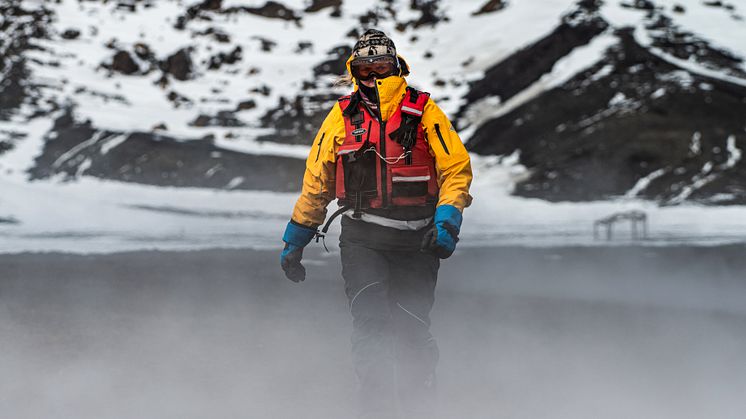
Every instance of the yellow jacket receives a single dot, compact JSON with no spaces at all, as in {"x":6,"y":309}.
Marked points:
{"x":453,"y":165}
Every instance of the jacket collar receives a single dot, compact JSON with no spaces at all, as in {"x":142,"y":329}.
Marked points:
{"x":391,"y":90}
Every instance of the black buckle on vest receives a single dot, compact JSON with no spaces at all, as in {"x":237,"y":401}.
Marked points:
{"x":414,"y":95}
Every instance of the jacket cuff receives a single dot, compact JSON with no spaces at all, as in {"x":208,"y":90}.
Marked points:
{"x":448,"y":214}
{"x":298,"y":235}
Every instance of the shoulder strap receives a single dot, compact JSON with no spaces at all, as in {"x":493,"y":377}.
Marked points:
{"x":412,"y":108}
{"x":414,"y":102}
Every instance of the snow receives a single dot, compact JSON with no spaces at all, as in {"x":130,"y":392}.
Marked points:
{"x":643,"y":183}
{"x":707,"y":174}
{"x":91,"y":215}
{"x":715,"y":25}
{"x":576,"y":61}
{"x":97,"y":216}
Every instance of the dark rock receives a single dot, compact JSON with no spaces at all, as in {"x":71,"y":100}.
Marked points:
{"x":200,"y":121}
{"x":336,"y":64}
{"x":491,"y":6}
{"x":296,"y":121}
{"x":318,"y":5}
{"x":369,"y":19}
{"x":428,"y":55}
{"x":687,"y":46}
{"x":180,"y":23}
{"x":197,"y":9}
{"x":639,"y":4}
{"x":216,"y":33}
{"x":179,"y":65}
{"x":304,"y":46}
{"x":212,"y":4}
{"x":5,"y":146}
{"x":714,"y":3}
{"x":430,"y":14}
{"x":267,"y":44}
{"x":271,"y":9}
{"x":122,"y":62}
{"x":221,"y":119}
{"x":263,"y":90}
{"x":70,"y":34}
{"x":29,"y":23}
{"x":154,"y":159}
{"x":216,"y":61}
{"x":178,"y":100}
{"x":160,"y":127}
{"x":246,"y":105}
{"x":679,"y":9}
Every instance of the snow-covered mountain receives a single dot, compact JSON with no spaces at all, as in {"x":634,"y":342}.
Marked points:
{"x":600,"y":98}
{"x":564,"y":100}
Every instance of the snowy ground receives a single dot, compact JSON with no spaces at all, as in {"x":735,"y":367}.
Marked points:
{"x":92,"y":216}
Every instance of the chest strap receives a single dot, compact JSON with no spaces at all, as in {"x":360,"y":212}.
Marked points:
{"x":412,"y":108}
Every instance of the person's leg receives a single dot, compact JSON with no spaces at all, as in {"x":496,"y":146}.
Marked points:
{"x":412,"y":294}
{"x":366,"y":275}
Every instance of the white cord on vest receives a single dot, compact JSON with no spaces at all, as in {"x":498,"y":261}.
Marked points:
{"x":389,"y":160}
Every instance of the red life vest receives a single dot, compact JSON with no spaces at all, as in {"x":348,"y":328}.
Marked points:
{"x":374,"y":170}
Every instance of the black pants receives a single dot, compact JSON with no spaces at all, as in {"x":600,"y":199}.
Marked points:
{"x":390,"y":287}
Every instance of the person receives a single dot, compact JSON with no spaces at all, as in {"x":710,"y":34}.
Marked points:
{"x":401,"y":175}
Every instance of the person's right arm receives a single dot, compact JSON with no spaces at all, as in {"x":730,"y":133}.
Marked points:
{"x":319,"y":179}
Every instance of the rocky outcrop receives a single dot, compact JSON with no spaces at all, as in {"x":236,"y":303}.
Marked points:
{"x":526,"y":66}
{"x":296,"y":121}
{"x":491,"y":6}
{"x":20,"y":26}
{"x":179,"y":65}
{"x":336,"y":64}
{"x":76,"y":149}
{"x":633,"y":124}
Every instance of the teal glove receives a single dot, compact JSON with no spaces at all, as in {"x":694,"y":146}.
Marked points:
{"x":442,"y":237}
{"x":296,"y":237}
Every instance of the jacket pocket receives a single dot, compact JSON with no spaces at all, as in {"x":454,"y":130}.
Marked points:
{"x":440,"y":137}
{"x":409,"y":185}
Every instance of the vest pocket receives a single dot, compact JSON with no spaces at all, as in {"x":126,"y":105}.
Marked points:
{"x":409,"y":185}
{"x":359,"y":171}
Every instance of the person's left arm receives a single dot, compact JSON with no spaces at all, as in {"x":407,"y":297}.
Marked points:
{"x":453,"y":167}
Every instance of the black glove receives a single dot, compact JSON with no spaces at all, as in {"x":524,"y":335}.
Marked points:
{"x":296,"y":237}
{"x":442,"y":237}
{"x":444,"y":247}
{"x":290,"y":263}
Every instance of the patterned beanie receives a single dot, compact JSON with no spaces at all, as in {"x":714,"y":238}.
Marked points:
{"x":373,"y":43}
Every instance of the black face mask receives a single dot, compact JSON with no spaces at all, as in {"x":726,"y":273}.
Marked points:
{"x":369,"y":92}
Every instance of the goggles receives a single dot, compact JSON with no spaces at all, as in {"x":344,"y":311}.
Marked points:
{"x":379,"y":67}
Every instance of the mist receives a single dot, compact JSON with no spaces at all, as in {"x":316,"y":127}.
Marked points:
{"x":612,"y":332}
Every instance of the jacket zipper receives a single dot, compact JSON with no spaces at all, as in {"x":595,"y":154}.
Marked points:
{"x":384,"y":186}
{"x":440,"y":137}
{"x":318,"y":152}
